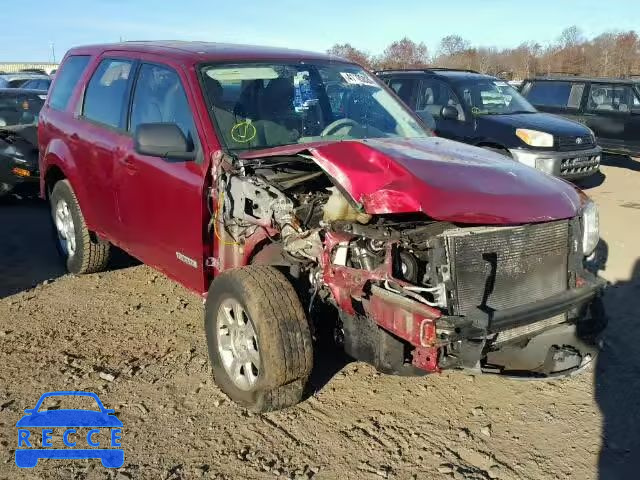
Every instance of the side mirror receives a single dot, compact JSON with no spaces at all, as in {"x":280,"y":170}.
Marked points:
{"x":164,"y":140}
{"x":449,"y":113}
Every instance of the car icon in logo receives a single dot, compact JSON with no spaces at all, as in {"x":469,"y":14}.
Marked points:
{"x":579,"y":140}
{"x":84,"y":433}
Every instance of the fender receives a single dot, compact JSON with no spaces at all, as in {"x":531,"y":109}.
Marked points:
{"x":58,"y":154}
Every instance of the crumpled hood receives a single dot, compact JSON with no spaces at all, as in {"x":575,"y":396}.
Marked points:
{"x":449,"y":181}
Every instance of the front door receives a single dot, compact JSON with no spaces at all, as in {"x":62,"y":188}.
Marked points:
{"x":433,"y":95}
{"x":162,"y":200}
{"x":612,"y":113}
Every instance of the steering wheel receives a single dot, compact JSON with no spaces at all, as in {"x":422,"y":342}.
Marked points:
{"x":335,"y":125}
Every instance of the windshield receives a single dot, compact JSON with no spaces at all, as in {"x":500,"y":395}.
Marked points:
{"x":493,"y":97}
{"x":272,"y":104}
{"x":19,"y":108}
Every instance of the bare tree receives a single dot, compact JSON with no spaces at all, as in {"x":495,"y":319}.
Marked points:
{"x":346,"y":50}
{"x":404,"y":53}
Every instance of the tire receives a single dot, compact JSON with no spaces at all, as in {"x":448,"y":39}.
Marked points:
{"x":89,"y":254}
{"x":276,"y":339}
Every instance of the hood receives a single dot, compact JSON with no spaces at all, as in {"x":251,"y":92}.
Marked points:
{"x":543,"y":122}
{"x":69,"y":418}
{"x":448,"y":181}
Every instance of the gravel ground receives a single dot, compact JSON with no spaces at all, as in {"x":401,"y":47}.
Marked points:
{"x":137,"y":339}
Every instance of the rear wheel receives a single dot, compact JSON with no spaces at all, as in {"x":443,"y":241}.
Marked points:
{"x":82,"y":252}
{"x":258,"y":338}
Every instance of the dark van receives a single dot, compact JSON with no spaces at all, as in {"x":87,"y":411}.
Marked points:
{"x":487,"y":112}
{"x":611,"y":108}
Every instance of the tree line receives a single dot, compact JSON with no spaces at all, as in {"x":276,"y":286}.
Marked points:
{"x":611,"y":54}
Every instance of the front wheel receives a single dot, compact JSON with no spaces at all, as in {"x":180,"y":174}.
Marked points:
{"x":82,"y":252}
{"x":258,"y":338}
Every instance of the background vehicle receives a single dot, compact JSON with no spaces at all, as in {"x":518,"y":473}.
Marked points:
{"x":19,"y":110}
{"x":487,"y":112}
{"x":278,"y":182}
{"x":610,"y":107}
{"x":42,"y":84}
{"x":16,"y":80}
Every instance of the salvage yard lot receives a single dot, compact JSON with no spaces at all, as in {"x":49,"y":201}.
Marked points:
{"x":137,"y":340}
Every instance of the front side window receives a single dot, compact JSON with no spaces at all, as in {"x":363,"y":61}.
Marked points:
{"x":612,"y":98}
{"x":433,"y":95}
{"x":492,"y":97}
{"x":66,"y":80}
{"x":106,"y":91}
{"x":159,"y":97}
{"x":271,"y":104}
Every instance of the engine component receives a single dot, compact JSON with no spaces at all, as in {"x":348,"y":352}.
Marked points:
{"x":338,"y":208}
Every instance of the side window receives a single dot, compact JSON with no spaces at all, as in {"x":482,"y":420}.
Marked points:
{"x":106,"y":91}
{"x":433,"y":95}
{"x":66,"y":80}
{"x":554,"y":94}
{"x":403,"y":88}
{"x":611,"y":98}
{"x":159,"y":97}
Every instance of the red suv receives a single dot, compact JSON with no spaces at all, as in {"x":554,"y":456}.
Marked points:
{"x":279,"y":184}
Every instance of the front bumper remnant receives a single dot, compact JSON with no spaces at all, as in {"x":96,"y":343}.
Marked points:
{"x":551,"y":337}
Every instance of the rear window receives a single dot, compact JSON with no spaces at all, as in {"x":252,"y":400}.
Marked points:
{"x":66,"y":80}
{"x":19,"y":108}
{"x":554,"y":94}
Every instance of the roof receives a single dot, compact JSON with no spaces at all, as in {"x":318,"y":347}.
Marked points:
{"x":195,"y":52}
{"x":572,"y":78}
{"x":446,"y":72}
{"x":18,"y":91}
{"x":19,"y":75}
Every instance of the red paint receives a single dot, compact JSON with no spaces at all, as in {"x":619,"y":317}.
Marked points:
{"x":448,"y":181}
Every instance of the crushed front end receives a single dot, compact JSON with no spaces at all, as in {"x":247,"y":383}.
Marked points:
{"x":416,"y":292}
{"x":512,"y":300}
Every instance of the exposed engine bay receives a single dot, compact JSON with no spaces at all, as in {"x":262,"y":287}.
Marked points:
{"x":413,"y":294}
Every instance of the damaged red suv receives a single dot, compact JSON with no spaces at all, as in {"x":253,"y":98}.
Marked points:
{"x":280,"y":184}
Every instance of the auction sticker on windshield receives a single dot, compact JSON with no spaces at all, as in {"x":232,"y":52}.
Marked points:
{"x":359,"y":78}
{"x":51,"y":431}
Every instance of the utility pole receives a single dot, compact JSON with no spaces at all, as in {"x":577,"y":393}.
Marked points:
{"x":53,"y":51}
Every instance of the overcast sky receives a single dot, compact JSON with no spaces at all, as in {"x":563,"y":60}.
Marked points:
{"x":312,"y":25}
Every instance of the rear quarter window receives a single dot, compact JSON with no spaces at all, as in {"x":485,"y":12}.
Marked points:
{"x":554,"y":94}
{"x":66,"y":80}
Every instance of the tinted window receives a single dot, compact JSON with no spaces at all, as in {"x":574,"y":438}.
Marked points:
{"x":160,"y":98}
{"x":554,"y":94}
{"x":613,"y":98}
{"x":66,"y":79}
{"x":19,"y":108}
{"x":104,"y":99}
{"x":403,"y":88}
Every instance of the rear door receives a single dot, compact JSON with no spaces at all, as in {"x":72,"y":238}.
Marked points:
{"x":162,"y":201}
{"x":103,"y":139}
{"x":612,"y":111}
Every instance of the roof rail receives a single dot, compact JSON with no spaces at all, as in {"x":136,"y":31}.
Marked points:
{"x":429,"y":69}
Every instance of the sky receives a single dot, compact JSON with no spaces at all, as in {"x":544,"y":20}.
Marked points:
{"x":369,"y":25}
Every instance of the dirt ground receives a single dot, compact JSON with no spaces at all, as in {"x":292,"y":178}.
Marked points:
{"x":136,"y":339}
